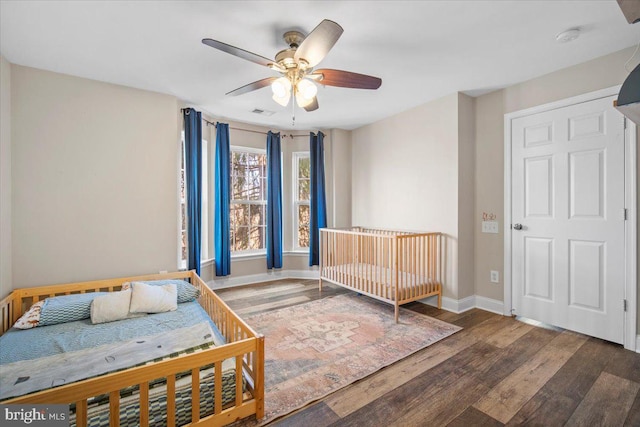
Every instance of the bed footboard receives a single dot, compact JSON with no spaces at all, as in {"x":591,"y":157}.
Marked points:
{"x":392,"y":266}
{"x":244,"y":345}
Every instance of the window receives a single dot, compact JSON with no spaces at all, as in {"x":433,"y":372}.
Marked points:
{"x":301,"y":199}
{"x":182,"y":259}
{"x":248,"y":200}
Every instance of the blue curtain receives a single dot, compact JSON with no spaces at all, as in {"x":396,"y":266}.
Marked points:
{"x":318,"y":212}
{"x":222,"y":200}
{"x":274,"y":201}
{"x":193,"y":172}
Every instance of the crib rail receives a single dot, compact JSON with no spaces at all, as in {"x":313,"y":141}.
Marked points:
{"x":243,"y":344}
{"x":393,"y":266}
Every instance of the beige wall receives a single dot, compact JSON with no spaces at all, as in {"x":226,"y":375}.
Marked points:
{"x":405,"y":175}
{"x":341,"y":164}
{"x":489,"y":192}
{"x":466,"y":194}
{"x":5,"y":178}
{"x":603,"y":72}
{"x":94,"y":179}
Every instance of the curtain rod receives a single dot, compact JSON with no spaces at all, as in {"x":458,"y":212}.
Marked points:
{"x":284,"y":135}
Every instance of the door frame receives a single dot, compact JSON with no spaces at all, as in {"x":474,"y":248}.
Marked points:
{"x":630,"y":197}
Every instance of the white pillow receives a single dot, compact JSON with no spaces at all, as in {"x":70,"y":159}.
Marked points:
{"x":111,"y":307}
{"x":153,"y":299}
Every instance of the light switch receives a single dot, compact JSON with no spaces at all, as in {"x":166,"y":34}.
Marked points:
{"x":490,"y":227}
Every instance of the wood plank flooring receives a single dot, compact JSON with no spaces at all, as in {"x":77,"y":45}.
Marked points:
{"x":497,"y":371}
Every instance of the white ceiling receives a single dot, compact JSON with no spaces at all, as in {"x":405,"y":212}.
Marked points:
{"x":422,"y":50}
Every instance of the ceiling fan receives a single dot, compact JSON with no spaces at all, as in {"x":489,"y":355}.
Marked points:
{"x":295,"y":65}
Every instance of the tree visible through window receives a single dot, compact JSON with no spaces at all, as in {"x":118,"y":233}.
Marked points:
{"x":302,"y":199}
{"x":248,"y":199}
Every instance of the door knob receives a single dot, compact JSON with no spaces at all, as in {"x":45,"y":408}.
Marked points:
{"x":517,"y":226}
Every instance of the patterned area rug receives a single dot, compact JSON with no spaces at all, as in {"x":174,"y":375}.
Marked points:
{"x":316,"y":348}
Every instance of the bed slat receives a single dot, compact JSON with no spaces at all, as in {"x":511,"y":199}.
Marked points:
{"x":114,"y":409}
{"x":171,"y":401}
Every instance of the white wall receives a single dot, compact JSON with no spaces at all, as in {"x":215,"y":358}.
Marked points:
{"x":6,"y":284}
{"x":94,"y":179}
{"x":405,"y":175}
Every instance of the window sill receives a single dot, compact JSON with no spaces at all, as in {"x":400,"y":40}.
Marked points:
{"x":252,"y":256}
{"x":300,"y":252}
{"x":249,"y":256}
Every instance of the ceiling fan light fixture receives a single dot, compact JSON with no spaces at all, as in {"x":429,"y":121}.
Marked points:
{"x":282,"y":100}
{"x":302,"y":101}
{"x":307,"y":89}
{"x":281,"y":88}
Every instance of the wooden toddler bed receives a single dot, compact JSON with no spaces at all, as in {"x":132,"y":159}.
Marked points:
{"x":391,"y":266}
{"x":192,"y":380}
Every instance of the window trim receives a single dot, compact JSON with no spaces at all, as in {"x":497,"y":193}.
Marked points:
{"x":296,"y":156}
{"x":248,"y":252}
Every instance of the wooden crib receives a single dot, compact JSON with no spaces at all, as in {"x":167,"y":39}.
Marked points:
{"x":392,"y":266}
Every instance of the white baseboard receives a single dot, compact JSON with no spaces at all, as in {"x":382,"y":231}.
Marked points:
{"x":489,"y":304}
{"x":230,"y":282}
{"x":465,"y":304}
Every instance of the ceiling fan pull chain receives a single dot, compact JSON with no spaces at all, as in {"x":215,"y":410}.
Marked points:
{"x":293,"y":112}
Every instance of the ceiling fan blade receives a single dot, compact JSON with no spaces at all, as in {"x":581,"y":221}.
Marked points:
{"x":252,"y":86}
{"x":346,"y":79}
{"x":241,"y":53}
{"x":319,"y":42}
{"x":313,"y":105}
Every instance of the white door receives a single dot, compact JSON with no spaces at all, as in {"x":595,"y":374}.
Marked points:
{"x":568,"y":198}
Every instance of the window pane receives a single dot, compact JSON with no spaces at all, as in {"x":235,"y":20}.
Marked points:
{"x":254,"y":184}
{"x":239,"y":214}
{"x":183,"y":219}
{"x":238,"y":160}
{"x":303,"y":189}
{"x":256,"y":238}
{"x":257,"y":215}
{"x":264,"y":188}
{"x":304,"y":167}
{"x":303,"y":226}
{"x":241,"y":239}
{"x":183,"y":242}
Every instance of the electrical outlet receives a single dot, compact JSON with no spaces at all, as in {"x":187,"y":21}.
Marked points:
{"x":163,"y":271}
{"x":495,"y":276}
{"x":490,"y":227}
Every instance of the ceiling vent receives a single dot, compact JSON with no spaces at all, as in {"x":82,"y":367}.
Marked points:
{"x":263,"y":112}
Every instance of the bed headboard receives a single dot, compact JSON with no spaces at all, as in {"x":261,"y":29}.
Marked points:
{"x":20,"y":300}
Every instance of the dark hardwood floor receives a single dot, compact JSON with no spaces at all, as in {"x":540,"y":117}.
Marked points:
{"x":496,"y":371}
